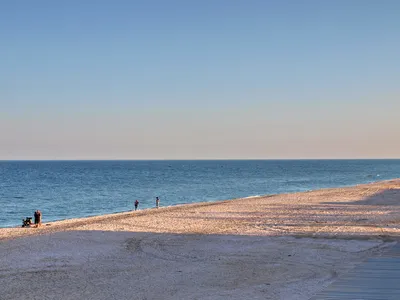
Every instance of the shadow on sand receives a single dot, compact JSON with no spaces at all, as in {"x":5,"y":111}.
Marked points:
{"x":386,"y":197}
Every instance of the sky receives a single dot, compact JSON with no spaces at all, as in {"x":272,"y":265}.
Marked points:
{"x":201,"y":79}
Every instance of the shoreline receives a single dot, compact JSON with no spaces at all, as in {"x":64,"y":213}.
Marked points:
{"x":66,"y":224}
{"x":283,"y":246}
{"x":205,"y":202}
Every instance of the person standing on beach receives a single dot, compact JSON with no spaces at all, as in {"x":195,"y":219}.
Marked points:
{"x":136,"y":204}
{"x":157,"y":202}
{"x":38,"y":218}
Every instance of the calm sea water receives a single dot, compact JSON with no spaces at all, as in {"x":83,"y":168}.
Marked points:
{"x":70,"y":189}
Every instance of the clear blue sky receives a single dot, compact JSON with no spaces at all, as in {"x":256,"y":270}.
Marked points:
{"x":199,"y":79}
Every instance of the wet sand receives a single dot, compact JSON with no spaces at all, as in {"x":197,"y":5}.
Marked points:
{"x":287,"y":246}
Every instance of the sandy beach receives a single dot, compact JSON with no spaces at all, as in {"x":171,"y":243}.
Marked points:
{"x":287,"y":246}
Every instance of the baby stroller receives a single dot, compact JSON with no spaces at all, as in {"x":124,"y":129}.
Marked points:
{"x":27,"y":222}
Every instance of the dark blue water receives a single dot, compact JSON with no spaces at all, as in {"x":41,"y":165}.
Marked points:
{"x":70,"y":189}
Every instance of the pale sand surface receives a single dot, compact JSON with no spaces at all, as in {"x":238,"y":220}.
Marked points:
{"x":275,"y":247}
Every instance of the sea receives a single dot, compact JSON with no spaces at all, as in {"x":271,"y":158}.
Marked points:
{"x":74,"y":189}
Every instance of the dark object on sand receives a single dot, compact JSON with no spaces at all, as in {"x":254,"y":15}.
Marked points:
{"x":27,"y":222}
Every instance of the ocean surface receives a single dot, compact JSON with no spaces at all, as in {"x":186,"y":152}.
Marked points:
{"x":71,"y":189}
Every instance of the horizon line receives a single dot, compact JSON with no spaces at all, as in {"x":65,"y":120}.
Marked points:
{"x":197,"y":159}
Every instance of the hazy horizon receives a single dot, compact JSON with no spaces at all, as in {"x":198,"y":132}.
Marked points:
{"x":124,"y":80}
{"x":197,"y":159}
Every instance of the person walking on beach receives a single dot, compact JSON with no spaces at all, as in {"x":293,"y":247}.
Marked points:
{"x":157,"y":202}
{"x":38,"y":218}
{"x":136,"y":204}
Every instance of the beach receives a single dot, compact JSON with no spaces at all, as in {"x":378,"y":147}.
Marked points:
{"x":286,"y":246}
